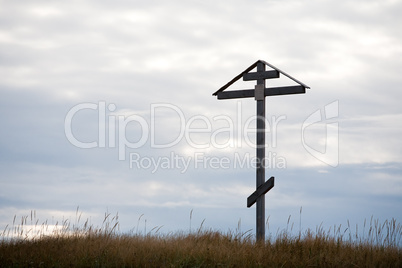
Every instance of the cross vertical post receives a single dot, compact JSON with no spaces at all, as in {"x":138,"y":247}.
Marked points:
{"x":260,"y":172}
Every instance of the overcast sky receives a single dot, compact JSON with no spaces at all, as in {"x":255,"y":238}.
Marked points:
{"x":101,"y":101}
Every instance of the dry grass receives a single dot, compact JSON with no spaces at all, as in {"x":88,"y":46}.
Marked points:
{"x":86,"y":246}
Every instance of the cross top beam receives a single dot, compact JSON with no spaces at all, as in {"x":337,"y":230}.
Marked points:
{"x":259,"y":93}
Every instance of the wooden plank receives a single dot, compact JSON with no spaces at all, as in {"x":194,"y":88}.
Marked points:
{"x":261,"y":75}
{"x":261,"y":190}
{"x":252,"y":66}
{"x":285,"y":74}
{"x":259,"y":92}
{"x":249,"y":93}
{"x":260,"y":153}
{"x":274,"y":91}
{"x":235,"y":94}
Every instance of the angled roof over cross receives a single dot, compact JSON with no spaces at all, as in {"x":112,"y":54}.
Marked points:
{"x":252,"y":67}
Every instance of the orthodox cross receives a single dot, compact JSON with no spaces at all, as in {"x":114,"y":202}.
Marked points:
{"x":259,"y":93}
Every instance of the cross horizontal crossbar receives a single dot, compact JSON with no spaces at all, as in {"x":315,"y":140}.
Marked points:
{"x":261,"y":190}
{"x":261,"y":75}
{"x":272,"y":91}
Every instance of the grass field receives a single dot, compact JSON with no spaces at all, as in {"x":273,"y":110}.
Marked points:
{"x":86,"y":246}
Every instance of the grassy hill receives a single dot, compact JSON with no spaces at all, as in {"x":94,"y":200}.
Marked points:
{"x":104,"y":247}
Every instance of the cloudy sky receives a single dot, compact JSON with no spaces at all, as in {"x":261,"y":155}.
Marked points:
{"x":108,"y":106}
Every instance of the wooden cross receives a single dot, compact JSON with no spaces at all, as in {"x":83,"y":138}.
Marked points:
{"x":259,"y":93}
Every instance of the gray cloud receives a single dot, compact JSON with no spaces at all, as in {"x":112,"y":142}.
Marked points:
{"x":133,"y":54}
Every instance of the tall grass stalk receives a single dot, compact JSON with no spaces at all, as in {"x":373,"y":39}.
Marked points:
{"x":28,"y":243}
